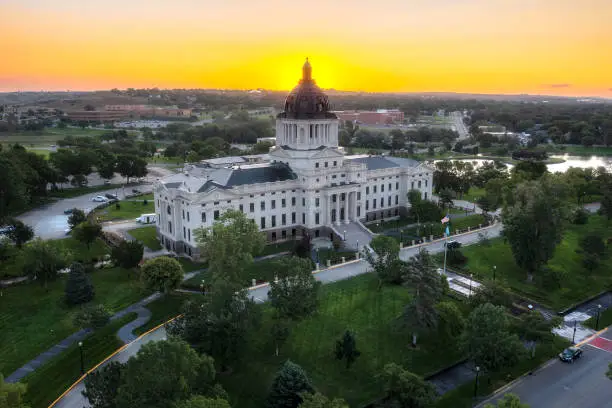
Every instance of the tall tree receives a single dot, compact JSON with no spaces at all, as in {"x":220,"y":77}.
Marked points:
{"x":290,"y":383}
{"x":162,"y":274}
{"x":280,"y":333}
{"x":229,"y":246}
{"x":163,"y":373}
{"x":79,"y":288}
{"x":295,"y":293}
{"x":385,"y":260}
{"x":102,"y":385}
{"x":346,"y":349}
{"x":87,"y":232}
{"x":405,"y":389}
{"x":76,"y":217}
{"x":127,"y":254}
{"x":606,"y":198}
{"x":508,"y":401}
{"x":421,"y":275}
{"x":450,"y":320}
{"x":534,"y":328}
{"x":131,"y":166}
{"x":318,"y":400}
{"x":43,"y":261}
{"x":533,"y":224}
{"x":200,"y":401}
{"x":13,"y":190}
{"x":488,"y":341}
{"x":19,"y":232}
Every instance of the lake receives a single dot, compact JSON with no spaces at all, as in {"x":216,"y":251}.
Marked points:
{"x":570,"y":161}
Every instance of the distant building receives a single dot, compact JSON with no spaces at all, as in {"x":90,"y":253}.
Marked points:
{"x":378,"y":117}
{"x":97,"y":116}
{"x":150,"y":111}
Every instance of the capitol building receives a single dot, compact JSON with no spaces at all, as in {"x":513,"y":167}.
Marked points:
{"x":306,"y":185}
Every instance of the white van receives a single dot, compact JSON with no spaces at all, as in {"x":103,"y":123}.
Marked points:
{"x":147,"y":219}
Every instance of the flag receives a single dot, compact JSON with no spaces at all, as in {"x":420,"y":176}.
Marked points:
{"x":447,"y":232}
{"x":445,"y":219}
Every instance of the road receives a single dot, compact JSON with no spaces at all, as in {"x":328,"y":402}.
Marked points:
{"x":582,"y":384}
{"x":459,"y":125}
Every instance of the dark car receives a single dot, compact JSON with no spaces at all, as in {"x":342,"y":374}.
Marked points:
{"x":136,"y":191}
{"x":570,"y":354}
{"x":111,"y":196}
{"x":453,"y":245}
{"x":69,"y":211}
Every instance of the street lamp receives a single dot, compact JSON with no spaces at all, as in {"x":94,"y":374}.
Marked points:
{"x":202,"y":286}
{"x":598,"y":313}
{"x":530,"y":307}
{"x":81,"y":352}
{"x":345,"y":235}
{"x":471,"y":275}
{"x":357,"y":245}
{"x":476,"y":382}
{"x":574,"y":335}
{"x":494,"y":270}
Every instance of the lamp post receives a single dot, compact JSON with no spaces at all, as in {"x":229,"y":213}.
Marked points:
{"x":598,"y":313}
{"x":202,"y":286}
{"x":574,"y":335}
{"x":530,"y":307}
{"x":494,"y":270}
{"x":476,"y":382}
{"x":471,"y":276}
{"x":357,"y":245}
{"x":81,"y":352}
{"x":318,"y":259}
{"x":344,"y":235}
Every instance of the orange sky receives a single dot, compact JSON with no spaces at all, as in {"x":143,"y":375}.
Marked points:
{"x":554,"y":47}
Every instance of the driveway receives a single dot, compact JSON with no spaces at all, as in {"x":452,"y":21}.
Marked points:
{"x":50,"y":222}
{"x":582,"y":384}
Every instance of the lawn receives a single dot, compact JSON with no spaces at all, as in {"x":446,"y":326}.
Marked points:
{"x":128,"y":210}
{"x":473,"y":194}
{"x":335,"y":257}
{"x":605,"y":320}
{"x":47,"y":136}
{"x":33,"y":319}
{"x":42,"y":152}
{"x":148,"y":236}
{"x":577,"y":284}
{"x":164,"y":309}
{"x":353,"y":304}
{"x":52,"y":379}
{"x":437,"y":229}
{"x":276,"y":248}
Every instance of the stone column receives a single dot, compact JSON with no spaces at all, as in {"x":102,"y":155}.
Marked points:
{"x":355,"y":204}
{"x":337,"y":209}
{"x":347,"y":217}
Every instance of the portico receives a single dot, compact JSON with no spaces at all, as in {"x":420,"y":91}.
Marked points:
{"x":343,"y":204}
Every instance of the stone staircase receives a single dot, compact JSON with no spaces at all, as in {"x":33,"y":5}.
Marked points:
{"x":460,"y":284}
{"x":354,"y":235}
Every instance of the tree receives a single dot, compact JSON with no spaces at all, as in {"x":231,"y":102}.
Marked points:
{"x":593,"y":244}
{"x":76,"y":217}
{"x":229,"y":246}
{"x":87,"y":232}
{"x":488,"y":341}
{"x":78,"y":286}
{"x":405,"y":389}
{"x":199,"y":401}
{"x":19,"y":232}
{"x":162,"y":274}
{"x":218,"y":326}
{"x":92,"y":316}
{"x":385,"y":261}
{"x":508,"y":401}
{"x":294,"y":293}
{"x":533,"y":224}
{"x":446,"y":198}
{"x":492,"y":292}
{"x":280,"y":333}
{"x":346,"y":349}
{"x":129,"y":165}
{"x":11,"y":394}
{"x":421,"y":275}
{"x":162,"y":373}
{"x":127,"y":254}
{"x":450,"y":320}
{"x":318,"y":400}
{"x":288,"y":387}
{"x":606,"y":199}
{"x":102,"y":385}
{"x":534,"y":328}
{"x":43,"y":261}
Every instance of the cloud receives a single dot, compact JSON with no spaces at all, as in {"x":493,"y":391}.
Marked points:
{"x":558,"y":85}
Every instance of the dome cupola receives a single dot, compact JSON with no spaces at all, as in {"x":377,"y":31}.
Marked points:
{"x":307,"y":100}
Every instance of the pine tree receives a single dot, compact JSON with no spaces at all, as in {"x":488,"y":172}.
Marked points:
{"x":290,"y":382}
{"x":347,"y":349}
{"x":78,"y":287}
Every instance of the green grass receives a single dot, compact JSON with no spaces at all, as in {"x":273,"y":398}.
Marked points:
{"x":437,"y":229}
{"x":128,"y":210}
{"x":52,"y":379}
{"x":286,"y":246}
{"x":576,"y":285}
{"x":43,"y":152}
{"x":79,"y":191}
{"x":353,"y":304}
{"x":164,"y":309}
{"x":148,"y":197}
{"x":605,"y":320}
{"x":148,"y":236}
{"x":473,"y":194}
{"x":33,"y":319}
{"x":334,"y":257}
{"x":47,"y":136}
{"x":190,"y":266}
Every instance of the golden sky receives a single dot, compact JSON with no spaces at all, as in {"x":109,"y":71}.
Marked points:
{"x":554,"y":47}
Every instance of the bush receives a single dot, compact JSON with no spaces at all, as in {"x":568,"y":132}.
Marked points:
{"x":145,"y":202}
{"x":93,"y":316}
{"x":455,"y":257}
{"x":590,"y":262}
{"x":78,"y":286}
{"x":579,"y":216}
{"x":593,"y":244}
{"x":117,"y":206}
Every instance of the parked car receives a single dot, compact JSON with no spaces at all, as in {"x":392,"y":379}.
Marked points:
{"x":99,"y":199}
{"x":5,"y":230}
{"x":135,"y":191}
{"x":69,"y":211}
{"x":107,"y":182}
{"x":111,"y":196}
{"x":453,"y":244}
{"x":570,"y":354}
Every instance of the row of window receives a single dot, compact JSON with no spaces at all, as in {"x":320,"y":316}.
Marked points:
{"x":382,"y":202}
{"x":326,"y":164}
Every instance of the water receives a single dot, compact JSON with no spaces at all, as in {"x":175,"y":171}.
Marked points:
{"x":582,"y":162}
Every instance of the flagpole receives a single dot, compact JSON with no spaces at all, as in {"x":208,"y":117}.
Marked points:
{"x":445,"y":249}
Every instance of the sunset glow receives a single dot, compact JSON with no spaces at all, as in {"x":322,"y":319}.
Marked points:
{"x":559,"y":47}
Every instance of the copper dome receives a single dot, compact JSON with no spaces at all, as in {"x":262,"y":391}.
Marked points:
{"x":307,"y":100}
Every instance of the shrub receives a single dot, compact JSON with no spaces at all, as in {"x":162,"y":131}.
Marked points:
{"x":579,"y":216}
{"x":593,"y":244}
{"x":145,"y":202}
{"x":92,"y":316}
{"x":117,"y":206}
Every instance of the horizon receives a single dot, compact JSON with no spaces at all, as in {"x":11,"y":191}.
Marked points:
{"x":481,"y":47}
